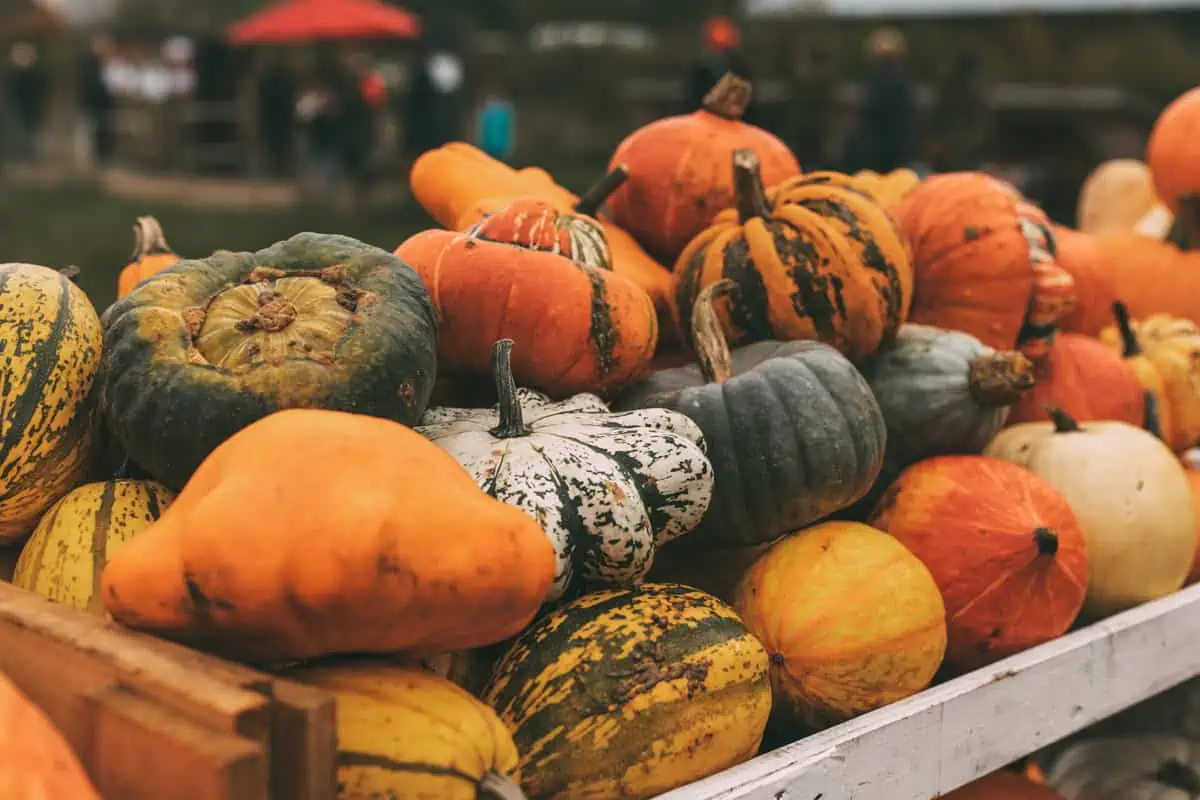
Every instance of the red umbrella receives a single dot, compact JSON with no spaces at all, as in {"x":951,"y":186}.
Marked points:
{"x":305,"y":20}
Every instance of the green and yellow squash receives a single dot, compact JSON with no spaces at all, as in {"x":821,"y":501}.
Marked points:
{"x":631,"y":692}
{"x":64,"y":557}
{"x":408,"y":734}
{"x":49,"y":354}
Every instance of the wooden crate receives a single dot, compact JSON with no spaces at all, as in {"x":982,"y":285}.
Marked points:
{"x":152,"y":720}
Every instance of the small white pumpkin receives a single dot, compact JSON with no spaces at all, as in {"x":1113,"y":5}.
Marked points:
{"x":1129,"y":768}
{"x":1131,"y":496}
{"x":607,"y":488}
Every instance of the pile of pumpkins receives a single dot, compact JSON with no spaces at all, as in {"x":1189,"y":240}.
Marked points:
{"x":552,"y":520}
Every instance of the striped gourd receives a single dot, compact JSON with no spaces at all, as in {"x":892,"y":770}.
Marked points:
{"x":631,"y":692}
{"x":49,"y":353}
{"x":407,"y":734}
{"x":71,"y":544}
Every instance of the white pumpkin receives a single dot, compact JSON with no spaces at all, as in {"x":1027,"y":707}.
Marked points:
{"x":1116,"y":197}
{"x":1129,"y":768}
{"x":1130,"y":494}
{"x":607,"y":488}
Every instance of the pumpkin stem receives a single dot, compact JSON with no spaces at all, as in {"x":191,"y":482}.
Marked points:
{"x":1046,"y":540}
{"x":728,"y":98}
{"x":500,"y":787}
{"x":708,"y":338}
{"x":1151,"y":421}
{"x":1000,"y":378}
{"x":591,"y":200}
{"x":1131,"y":346}
{"x":149,"y":239}
{"x":1063,"y":422}
{"x":71,"y":273}
{"x":748,"y":187}
{"x":512,"y":422}
{"x":275,"y":312}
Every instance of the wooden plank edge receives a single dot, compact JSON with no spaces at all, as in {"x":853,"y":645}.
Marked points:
{"x":951,"y":734}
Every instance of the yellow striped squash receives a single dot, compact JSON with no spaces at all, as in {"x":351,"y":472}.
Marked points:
{"x":73,"y":541}
{"x":408,"y":734}
{"x":631,"y":692}
{"x":49,"y":353}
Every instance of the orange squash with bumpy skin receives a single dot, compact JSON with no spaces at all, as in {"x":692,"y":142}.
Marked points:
{"x":679,"y":169}
{"x":317,"y":532}
{"x":36,"y":763}
{"x":576,"y":327}
{"x":151,"y":255}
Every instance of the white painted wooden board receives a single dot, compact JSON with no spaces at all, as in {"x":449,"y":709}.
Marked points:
{"x":952,"y":734}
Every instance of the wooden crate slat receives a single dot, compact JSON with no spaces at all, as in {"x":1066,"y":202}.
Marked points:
{"x":142,"y":751}
{"x":952,"y":734}
{"x":304,"y":743}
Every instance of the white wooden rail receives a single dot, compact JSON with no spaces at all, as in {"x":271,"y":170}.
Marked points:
{"x":954,"y":733}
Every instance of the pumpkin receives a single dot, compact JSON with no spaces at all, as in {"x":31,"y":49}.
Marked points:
{"x":1115,"y":197}
{"x":50,"y":344}
{"x":64,"y":557}
{"x":608,"y":489}
{"x":1003,"y":786}
{"x":1165,"y":354}
{"x":1151,"y":277}
{"x":823,"y":263}
{"x":1131,"y":497}
{"x":793,"y":431}
{"x":1193,"y":476}
{"x":679,"y":169}
{"x":1171,"y":156}
{"x":1081,"y":256}
{"x":1129,"y":768}
{"x":577,"y":328}
{"x":841,"y":645}
{"x":1087,"y":380}
{"x":315,"y":321}
{"x":1004,"y":547}
{"x":151,"y":255}
{"x":977,"y":260}
{"x":364,"y":537}
{"x":406,"y":734}
{"x":632,"y":692}
{"x":35,"y":760}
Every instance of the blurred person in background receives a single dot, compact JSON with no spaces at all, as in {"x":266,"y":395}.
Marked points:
{"x":355,"y":119}
{"x":959,"y":129}
{"x":429,"y":112}
{"x":495,"y":125}
{"x":27,"y":88}
{"x":884,"y":136}
{"x":277,"y":115}
{"x":811,"y":95}
{"x":318,"y":113}
{"x":720,"y":55}
{"x":98,"y":69}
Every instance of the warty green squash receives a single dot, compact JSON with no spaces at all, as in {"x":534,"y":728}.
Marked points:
{"x":50,"y":343}
{"x":199,"y":351}
{"x":793,"y":431}
{"x":632,"y":692}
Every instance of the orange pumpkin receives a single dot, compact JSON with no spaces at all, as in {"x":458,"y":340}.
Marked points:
{"x":35,"y":760}
{"x":315,"y":532}
{"x":151,"y":255}
{"x":577,"y":328}
{"x":1193,"y":474}
{"x":1085,"y":378}
{"x":1004,"y":786}
{"x":679,"y":169}
{"x":976,"y":257}
{"x":1172,"y":156}
{"x":1003,"y":546}
{"x":1080,"y":255}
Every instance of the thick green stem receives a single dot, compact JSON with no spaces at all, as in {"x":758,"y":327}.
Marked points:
{"x":595,"y":197}
{"x":1129,"y":342}
{"x":728,"y":98}
{"x":999,"y":379}
{"x":512,"y":421}
{"x":748,"y":190}
{"x":708,"y":337}
{"x":1063,"y":422}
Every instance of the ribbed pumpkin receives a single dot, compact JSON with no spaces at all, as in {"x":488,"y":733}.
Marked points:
{"x":1005,"y":549}
{"x":49,"y":355}
{"x":1087,"y":380}
{"x":1003,"y":786}
{"x":1164,"y":352}
{"x":632,"y":692}
{"x":852,"y":621}
{"x":36,"y":762}
{"x":407,"y":734}
{"x":576,"y":327}
{"x":151,"y":255}
{"x":679,"y":169}
{"x":793,"y":431}
{"x":975,"y":259}
{"x":64,"y":557}
{"x":822,"y":263}
{"x":200,"y":351}
{"x":1080,"y":255}
{"x":1130,"y":495}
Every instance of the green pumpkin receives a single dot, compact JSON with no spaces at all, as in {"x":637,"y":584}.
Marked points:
{"x":205,"y":348}
{"x":793,"y":431}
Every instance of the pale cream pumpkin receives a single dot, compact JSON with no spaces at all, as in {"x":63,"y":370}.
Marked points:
{"x":1130,"y":494}
{"x":1116,"y":197}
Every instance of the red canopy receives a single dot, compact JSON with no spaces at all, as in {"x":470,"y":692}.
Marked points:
{"x":305,"y":20}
